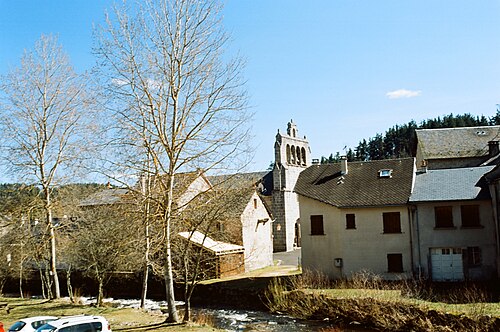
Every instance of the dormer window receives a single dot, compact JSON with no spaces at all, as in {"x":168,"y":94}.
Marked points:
{"x":385,"y":173}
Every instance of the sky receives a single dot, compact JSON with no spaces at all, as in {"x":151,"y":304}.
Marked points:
{"x":342,"y":70}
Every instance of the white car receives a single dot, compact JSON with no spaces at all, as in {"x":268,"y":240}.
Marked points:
{"x":30,"y":324}
{"x":80,"y":323}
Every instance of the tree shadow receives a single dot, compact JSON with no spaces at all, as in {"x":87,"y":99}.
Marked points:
{"x":150,"y":327}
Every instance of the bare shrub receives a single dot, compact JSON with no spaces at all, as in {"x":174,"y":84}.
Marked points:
{"x":77,"y":296}
{"x":364,"y":279}
{"x":203,"y":318}
{"x":275,"y":295}
{"x":331,"y":329}
{"x":310,"y":280}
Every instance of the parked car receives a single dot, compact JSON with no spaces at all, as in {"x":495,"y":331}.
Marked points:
{"x":30,"y":324}
{"x":80,"y":323}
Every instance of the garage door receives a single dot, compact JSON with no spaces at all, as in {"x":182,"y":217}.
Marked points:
{"x":447,"y":264}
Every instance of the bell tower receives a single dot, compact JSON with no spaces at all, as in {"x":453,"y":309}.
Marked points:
{"x":291,"y":156}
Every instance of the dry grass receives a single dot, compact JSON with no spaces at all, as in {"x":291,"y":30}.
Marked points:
{"x":400,"y":306}
{"x":120,"y":319}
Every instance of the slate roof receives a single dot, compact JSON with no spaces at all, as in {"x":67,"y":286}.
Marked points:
{"x":118,"y":195}
{"x":240,"y":187}
{"x":451,"y":185}
{"x":217,"y":247}
{"x":461,"y":142}
{"x":105,"y":197}
{"x":361,"y":186}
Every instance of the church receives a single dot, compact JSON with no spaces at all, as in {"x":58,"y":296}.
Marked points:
{"x":292,"y":155}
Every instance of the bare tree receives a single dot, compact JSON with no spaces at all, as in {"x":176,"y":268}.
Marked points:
{"x":103,"y":242}
{"x":45,"y":109}
{"x":175,"y":94}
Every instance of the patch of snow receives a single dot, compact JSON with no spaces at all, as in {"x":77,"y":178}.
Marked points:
{"x":134,"y":303}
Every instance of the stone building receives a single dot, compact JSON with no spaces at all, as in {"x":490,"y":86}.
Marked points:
{"x":292,"y":156}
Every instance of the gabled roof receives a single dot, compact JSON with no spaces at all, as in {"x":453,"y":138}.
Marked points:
{"x":361,"y":186}
{"x":239,"y":188}
{"x":105,"y":197}
{"x":451,"y":185}
{"x":217,"y":247}
{"x":119,"y":195}
{"x":460,"y":142}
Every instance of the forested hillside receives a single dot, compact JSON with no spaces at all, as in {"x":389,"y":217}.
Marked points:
{"x":400,"y":140}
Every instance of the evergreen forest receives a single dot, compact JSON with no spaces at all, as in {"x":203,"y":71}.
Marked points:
{"x":400,"y":141}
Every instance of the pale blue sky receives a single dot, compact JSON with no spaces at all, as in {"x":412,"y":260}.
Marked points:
{"x":336,"y":67}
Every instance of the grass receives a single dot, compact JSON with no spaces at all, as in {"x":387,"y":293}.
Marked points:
{"x":471,"y":309}
{"x":120,"y":319}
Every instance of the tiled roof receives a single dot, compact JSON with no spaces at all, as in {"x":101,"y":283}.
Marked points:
{"x":451,"y":184}
{"x":361,"y":186}
{"x":456,"y":142}
{"x":217,"y":247}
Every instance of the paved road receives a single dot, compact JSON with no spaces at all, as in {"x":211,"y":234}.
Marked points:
{"x":288,"y":258}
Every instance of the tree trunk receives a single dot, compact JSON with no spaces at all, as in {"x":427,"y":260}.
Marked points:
{"x":187,"y":308}
{"x":145,"y":285}
{"x":146,"y":185}
{"x":21,"y":279}
{"x":169,"y":284}
{"x":100,"y":292}
{"x":53,"y":264}
{"x":169,"y":276}
{"x":68,"y":285}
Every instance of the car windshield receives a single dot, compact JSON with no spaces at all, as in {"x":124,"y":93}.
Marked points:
{"x":17,"y":326}
{"x":46,"y":328}
{"x":39,"y":323}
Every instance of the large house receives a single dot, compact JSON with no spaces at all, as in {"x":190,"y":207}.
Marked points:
{"x":355,"y":217}
{"x":457,"y":147}
{"x":436,"y":218}
{"x":454,"y":234}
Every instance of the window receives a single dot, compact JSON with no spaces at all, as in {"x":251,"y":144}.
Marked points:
{"x":385,"y":173}
{"x":317,"y":225}
{"x":395,"y":263}
{"x":83,"y":327}
{"x":392,"y":222}
{"x":474,"y":256}
{"x":444,"y":216}
{"x":255,"y":203}
{"x":350,"y":221}
{"x":470,"y":215}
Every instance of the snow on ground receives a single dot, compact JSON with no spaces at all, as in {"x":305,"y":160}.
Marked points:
{"x":134,"y":303}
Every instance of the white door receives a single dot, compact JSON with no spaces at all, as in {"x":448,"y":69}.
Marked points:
{"x":447,"y":264}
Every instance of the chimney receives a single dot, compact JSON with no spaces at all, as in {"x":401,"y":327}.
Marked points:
{"x":343,"y":165}
{"x":493,"y":148}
